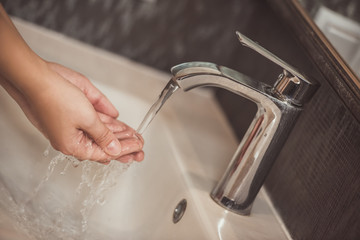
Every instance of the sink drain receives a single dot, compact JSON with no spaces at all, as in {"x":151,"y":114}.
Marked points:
{"x":179,"y":211}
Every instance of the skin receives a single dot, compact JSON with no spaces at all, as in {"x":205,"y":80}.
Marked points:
{"x":62,"y":104}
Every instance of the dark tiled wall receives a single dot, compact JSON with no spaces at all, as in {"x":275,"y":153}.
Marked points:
{"x":159,"y":33}
{"x":315,"y":183}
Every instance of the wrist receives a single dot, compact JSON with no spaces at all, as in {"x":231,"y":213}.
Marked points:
{"x":33,"y":78}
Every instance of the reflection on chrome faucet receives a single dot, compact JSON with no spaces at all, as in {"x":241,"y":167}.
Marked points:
{"x":278,"y":108}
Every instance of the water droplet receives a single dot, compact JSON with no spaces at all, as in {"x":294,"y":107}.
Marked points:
{"x":47,"y":151}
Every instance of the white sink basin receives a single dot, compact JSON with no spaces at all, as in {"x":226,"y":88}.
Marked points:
{"x":187,"y":148}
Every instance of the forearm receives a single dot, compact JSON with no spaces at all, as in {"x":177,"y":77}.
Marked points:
{"x":19,"y":65}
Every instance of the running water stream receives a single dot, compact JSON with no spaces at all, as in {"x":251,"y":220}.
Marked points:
{"x":46,"y":214}
{"x":166,"y":93}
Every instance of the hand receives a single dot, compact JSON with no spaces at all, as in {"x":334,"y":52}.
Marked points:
{"x":77,"y":118}
{"x":131,"y":142}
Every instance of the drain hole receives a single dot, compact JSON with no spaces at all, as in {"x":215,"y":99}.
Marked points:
{"x":179,"y":211}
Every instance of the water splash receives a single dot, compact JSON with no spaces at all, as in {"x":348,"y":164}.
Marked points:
{"x":97,"y":181}
{"x":47,"y":151}
{"x":50,"y":169}
{"x":46,"y":215}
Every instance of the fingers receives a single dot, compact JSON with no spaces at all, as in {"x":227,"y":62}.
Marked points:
{"x":111,"y":139}
{"x":101,"y":103}
{"x":120,"y":129}
{"x":87,"y":149}
{"x":104,"y":138}
{"x":123,"y":131}
{"x":137,"y":156}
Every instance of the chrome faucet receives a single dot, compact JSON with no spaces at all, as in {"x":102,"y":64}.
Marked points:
{"x":278,"y":108}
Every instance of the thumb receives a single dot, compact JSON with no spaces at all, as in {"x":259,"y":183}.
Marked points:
{"x":104,"y":138}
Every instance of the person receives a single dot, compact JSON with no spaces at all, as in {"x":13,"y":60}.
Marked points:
{"x":62,"y":104}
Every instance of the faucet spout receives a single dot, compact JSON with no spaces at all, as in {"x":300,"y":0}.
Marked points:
{"x":278,"y":108}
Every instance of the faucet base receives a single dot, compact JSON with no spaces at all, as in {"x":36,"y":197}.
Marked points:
{"x":232,"y":206}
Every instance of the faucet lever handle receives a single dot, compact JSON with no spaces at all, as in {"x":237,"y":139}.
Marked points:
{"x":245,"y":41}
{"x":291,"y":88}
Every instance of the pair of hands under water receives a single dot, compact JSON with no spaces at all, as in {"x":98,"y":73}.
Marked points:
{"x":72,"y":113}
{"x":78,"y":119}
